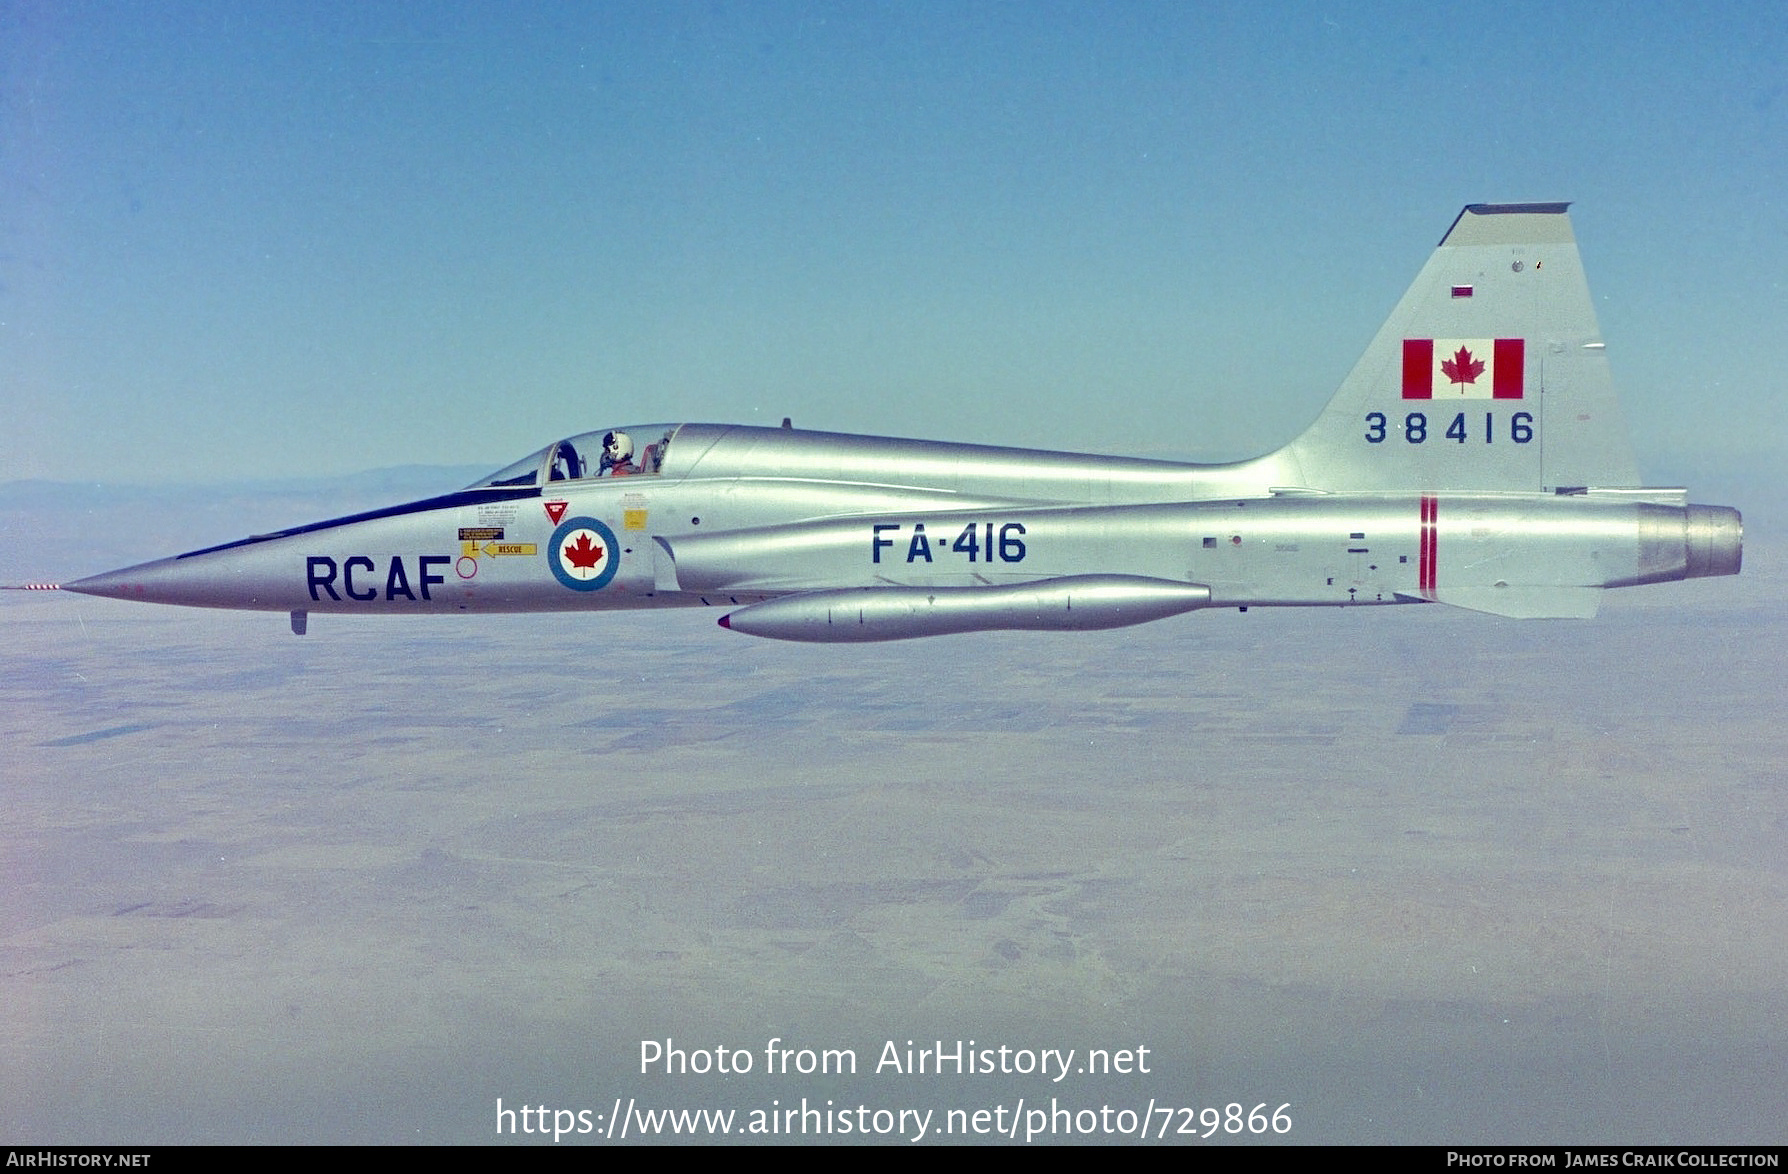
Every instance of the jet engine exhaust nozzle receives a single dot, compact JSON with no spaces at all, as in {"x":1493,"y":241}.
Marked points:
{"x":1716,"y":541}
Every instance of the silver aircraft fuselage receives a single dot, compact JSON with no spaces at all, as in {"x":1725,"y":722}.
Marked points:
{"x":740,"y":516}
{"x":1475,"y":457}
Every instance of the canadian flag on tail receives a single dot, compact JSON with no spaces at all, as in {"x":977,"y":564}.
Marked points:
{"x":1463,"y":368}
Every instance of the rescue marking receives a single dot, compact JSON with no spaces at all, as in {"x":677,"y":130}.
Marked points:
{"x":555,"y":510}
{"x":583,"y":554}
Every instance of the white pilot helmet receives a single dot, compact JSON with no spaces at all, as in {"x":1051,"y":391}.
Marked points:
{"x":617,"y":447}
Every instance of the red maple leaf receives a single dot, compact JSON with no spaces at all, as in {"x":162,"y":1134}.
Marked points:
{"x":1462,"y":368}
{"x":583,"y":553}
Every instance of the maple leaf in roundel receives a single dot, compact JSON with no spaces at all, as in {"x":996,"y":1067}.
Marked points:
{"x":1462,"y":368}
{"x":583,"y":554}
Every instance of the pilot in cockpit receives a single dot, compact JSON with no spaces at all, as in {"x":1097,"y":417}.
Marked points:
{"x":617,"y":456}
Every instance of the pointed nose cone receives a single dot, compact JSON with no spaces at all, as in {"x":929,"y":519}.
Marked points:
{"x":223,"y":579}
{"x":112,"y":585}
{"x":146,"y":581}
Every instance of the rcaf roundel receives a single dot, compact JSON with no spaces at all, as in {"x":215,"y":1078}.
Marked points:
{"x":1464,"y":368}
{"x":583,"y":554}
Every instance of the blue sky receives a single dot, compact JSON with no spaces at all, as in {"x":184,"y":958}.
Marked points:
{"x":271,"y":240}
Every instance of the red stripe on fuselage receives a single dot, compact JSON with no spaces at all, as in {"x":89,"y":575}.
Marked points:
{"x":1425,"y":571}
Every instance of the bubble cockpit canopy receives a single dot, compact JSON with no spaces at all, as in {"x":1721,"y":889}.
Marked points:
{"x":633,"y":451}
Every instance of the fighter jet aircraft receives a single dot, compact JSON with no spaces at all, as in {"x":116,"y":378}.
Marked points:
{"x":1475,"y":456}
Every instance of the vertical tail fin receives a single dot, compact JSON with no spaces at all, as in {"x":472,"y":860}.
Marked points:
{"x":1488,"y":376}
